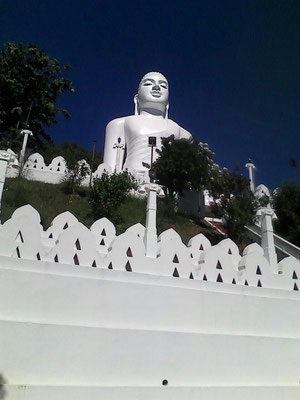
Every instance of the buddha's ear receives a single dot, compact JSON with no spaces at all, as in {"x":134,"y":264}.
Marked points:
{"x":135,"y":100}
{"x":167,"y":111}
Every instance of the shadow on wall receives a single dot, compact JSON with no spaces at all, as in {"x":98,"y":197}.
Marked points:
{"x":2,"y":390}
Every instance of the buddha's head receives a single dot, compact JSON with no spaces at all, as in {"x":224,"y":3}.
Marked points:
{"x":153,"y":94}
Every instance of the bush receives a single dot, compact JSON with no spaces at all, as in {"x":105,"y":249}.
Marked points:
{"x":108,"y":193}
{"x":286,"y":202}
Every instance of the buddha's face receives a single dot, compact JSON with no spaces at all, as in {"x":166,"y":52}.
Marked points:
{"x":153,"y":91}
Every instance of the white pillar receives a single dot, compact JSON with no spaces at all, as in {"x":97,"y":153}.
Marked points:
{"x":251,"y":167}
{"x":26,"y":133}
{"x":4,"y":159}
{"x":150,"y":238}
{"x":267,"y":237}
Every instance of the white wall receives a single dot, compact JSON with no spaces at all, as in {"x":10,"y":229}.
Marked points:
{"x":80,"y":332}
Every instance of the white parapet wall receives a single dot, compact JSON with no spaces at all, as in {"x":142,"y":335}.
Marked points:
{"x":35,"y":169}
{"x":84,"y":314}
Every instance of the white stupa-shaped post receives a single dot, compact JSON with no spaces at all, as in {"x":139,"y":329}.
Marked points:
{"x":267,"y":237}
{"x":150,"y":238}
{"x":4,"y":159}
{"x":251,"y":168}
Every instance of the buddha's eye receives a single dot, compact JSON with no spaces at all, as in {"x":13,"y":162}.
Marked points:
{"x":164,"y":86}
{"x":147,"y":83}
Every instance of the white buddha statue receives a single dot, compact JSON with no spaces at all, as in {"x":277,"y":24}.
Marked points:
{"x":133,"y":132}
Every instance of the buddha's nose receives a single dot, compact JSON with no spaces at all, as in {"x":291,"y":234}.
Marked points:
{"x":156,"y":87}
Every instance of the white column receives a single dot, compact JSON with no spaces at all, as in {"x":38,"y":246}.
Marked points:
{"x":251,"y":167}
{"x":150,"y":238}
{"x":26,"y":133}
{"x":4,"y":158}
{"x":267,"y":237}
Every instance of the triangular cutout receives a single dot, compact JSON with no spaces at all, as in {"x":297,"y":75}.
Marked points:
{"x":129,"y":252}
{"x":50,"y":236}
{"x":175,"y":273}
{"x":77,"y":244}
{"x":18,"y":252}
{"x":76,"y":259}
{"x":94,"y":264}
{"x":128,"y":267}
{"x":246,"y":283}
{"x":258,"y":271}
{"x":66,"y":226}
{"x":219,"y":266}
{"x":201,"y":247}
{"x":58,"y":169}
{"x":233,"y":281}
{"x":175,"y":259}
{"x":295,"y":275}
{"x":19,"y":237}
{"x":192,"y":255}
{"x":110,"y":266}
{"x":259,"y":283}
{"x":38,"y":257}
{"x":219,"y":278}
{"x":295,"y":286}
{"x":204,"y":277}
{"x":103,"y":233}
{"x":229,"y":251}
{"x":102,"y":243}
{"x":191,"y":276}
{"x":56,"y":258}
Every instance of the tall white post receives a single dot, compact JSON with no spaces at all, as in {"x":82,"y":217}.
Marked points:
{"x":267,"y":237}
{"x":26,"y":133}
{"x":119,"y":158}
{"x":150,"y":238}
{"x":4,"y":159}
{"x":251,"y":167}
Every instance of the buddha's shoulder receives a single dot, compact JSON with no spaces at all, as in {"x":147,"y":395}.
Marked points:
{"x":116,"y":122}
{"x":172,"y":124}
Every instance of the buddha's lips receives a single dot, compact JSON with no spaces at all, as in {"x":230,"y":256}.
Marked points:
{"x":156,"y":94}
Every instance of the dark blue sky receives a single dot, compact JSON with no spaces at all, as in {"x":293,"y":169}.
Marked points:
{"x":233,"y":69}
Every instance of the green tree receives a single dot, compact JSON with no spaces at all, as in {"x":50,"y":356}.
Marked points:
{"x":236,"y":203}
{"x":30,"y":84}
{"x":109,"y":192}
{"x":182,"y":165}
{"x":286,"y":202}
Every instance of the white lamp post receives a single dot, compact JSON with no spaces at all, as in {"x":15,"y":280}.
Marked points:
{"x":119,"y":147}
{"x":26,"y":133}
{"x":251,"y":167}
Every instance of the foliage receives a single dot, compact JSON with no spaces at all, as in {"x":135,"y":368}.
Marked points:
{"x":182,"y":165}
{"x":286,"y":202}
{"x":30,"y":83}
{"x":108,"y":193}
{"x":74,"y":176}
{"x":236,"y":203}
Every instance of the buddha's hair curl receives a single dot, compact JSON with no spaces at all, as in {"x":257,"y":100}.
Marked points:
{"x":152,"y":72}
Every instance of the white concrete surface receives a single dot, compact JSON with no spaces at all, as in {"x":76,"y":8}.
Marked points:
{"x":121,"y":327}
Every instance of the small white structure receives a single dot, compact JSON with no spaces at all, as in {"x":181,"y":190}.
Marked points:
{"x":87,"y":314}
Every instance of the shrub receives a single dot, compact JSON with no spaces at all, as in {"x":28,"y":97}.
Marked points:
{"x":109,"y":192}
